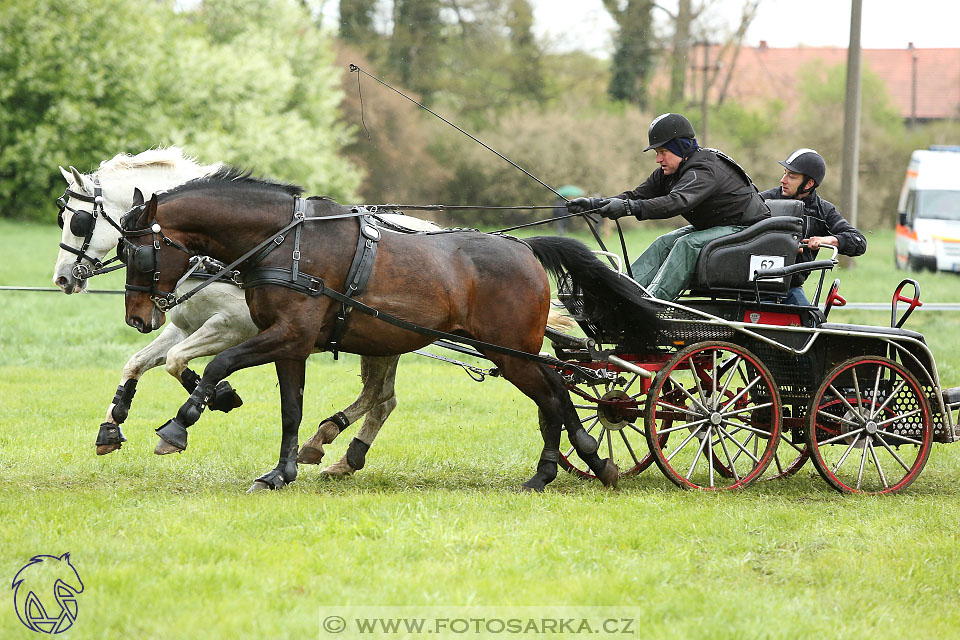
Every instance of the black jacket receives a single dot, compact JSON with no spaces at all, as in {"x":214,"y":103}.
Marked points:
{"x":823,"y":219}
{"x":709,"y":190}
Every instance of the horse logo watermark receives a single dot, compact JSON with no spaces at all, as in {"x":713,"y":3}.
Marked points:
{"x":45,"y":593}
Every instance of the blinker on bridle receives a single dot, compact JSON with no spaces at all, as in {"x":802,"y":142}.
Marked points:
{"x":143,"y":259}
{"x":82,"y":224}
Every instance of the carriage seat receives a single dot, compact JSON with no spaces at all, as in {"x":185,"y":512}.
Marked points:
{"x":726,"y":265}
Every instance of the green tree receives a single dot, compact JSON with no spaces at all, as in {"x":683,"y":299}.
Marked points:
{"x":884,"y":146}
{"x":235,"y":80}
{"x":415,"y":43}
{"x":633,"y":59}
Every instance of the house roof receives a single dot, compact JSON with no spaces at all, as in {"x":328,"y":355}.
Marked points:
{"x":763,"y":72}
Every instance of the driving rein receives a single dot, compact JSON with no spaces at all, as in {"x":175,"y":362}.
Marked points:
{"x":145,"y":261}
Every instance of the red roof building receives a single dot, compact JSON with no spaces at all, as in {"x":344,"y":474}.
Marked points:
{"x":760,"y":73}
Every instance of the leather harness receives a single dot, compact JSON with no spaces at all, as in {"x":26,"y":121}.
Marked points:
{"x":357,"y":276}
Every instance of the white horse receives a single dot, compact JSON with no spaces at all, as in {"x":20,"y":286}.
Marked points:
{"x":214,"y":319}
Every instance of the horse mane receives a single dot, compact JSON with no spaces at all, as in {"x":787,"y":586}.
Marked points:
{"x":169,"y":158}
{"x":233,"y":178}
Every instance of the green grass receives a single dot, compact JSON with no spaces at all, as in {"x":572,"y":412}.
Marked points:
{"x":172,"y":547}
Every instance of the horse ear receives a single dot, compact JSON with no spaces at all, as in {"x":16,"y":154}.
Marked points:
{"x":66,"y":556}
{"x":137,"y":197}
{"x":149,"y":213}
{"x":77,"y":178}
{"x":66,"y":175}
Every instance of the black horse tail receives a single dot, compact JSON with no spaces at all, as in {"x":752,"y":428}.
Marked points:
{"x":593,"y":292}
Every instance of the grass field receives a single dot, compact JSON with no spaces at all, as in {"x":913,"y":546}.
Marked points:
{"x":172,"y":547}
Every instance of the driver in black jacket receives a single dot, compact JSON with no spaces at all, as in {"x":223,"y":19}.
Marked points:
{"x":711,"y":191}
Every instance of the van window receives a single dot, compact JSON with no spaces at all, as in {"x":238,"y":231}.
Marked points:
{"x":911,"y":207}
{"x":938,"y":204}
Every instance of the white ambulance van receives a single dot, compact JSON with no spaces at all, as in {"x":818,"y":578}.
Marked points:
{"x":928,"y":225}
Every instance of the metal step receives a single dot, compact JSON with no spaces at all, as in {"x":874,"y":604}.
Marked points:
{"x":951,"y":395}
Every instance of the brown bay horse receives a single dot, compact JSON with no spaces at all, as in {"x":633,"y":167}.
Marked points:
{"x":485,"y":287}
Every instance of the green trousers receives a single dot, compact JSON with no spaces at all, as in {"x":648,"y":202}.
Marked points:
{"x":666,"y":267}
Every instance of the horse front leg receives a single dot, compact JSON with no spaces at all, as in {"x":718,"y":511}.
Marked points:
{"x":291,"y":374}
{"x":269,"y":346}
{"x":376,"y":400}
{"x":110,"y":436}
{"x":216,"y":334}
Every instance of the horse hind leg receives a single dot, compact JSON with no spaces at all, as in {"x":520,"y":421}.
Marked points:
{"x":355,"y":457}
{"x":378,"y":375}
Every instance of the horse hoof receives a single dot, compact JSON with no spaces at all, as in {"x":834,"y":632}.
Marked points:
{"x":225,"y":398}
{"x":104,"y":449}
{"x":258,"y":486}
{"x":163,"y":448}
{"x":610,"y":474}
{"x":532,"y":487}
{"x":309,"y":455}
{"x":339,"y":469}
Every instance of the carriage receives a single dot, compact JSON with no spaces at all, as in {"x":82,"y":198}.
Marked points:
{"x":733,"y":384}
{"x":738,"y":387}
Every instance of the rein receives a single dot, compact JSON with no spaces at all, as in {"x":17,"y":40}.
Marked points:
{"x":306,"y":284}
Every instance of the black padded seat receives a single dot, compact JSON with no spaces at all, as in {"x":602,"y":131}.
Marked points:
{"x":724,"y":266}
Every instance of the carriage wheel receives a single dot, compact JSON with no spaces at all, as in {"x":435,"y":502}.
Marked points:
{"x":715,"y":409}
{"x":868,"y":428}
{"x":612,"y":413}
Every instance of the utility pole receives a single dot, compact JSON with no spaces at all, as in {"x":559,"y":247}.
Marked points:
{"x":851,"y":118}
{"x":913,"y":85}
{"x":706,"y":82}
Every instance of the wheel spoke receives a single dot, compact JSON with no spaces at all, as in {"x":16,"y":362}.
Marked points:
{"x":840,"y":437}
{"x":661,"y":403}
{"x":739,"y":395}
{"x":889,"y":398}
{"x":746,"y":427}
{"x":844,"y":401}
{"x":846,"y":453}
{"x":683,"y":444}
{"x":683,"y":390}
{"x":726,"y":452}
{"x":840,"y":419}
{"x":696,"y":458}
{"x":735,"y":368}
{"x":629,"y":448}
{"x":685,"y":425}
{"x":876,"y":389}
{"x":899,"y":417}
{"x":902,"y":437}
{"x":893,"y":453}
{"x":876,"y":463}
{"x":863,"y":460}
{"x":728,"y":414}
{"x":856,"y":388}
{"x":696,"y":381}
{"x":739,"y":446}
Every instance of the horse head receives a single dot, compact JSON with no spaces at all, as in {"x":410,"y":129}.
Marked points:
{"x":152,"y":171}
{"x":155,"y":260}
{"x":45,"y":591}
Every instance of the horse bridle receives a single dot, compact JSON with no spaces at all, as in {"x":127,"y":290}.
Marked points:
{"x":82,"y":224}
{"x":144,"y":260}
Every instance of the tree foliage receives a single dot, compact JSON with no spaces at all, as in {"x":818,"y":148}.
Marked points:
{"x":249,"y":83}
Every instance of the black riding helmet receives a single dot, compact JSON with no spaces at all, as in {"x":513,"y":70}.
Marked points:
{"x":666,"y":127}
{"x":809,"y":163}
